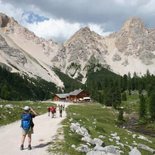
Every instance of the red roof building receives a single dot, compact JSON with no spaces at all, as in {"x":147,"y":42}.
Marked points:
{"x":75,"y":96}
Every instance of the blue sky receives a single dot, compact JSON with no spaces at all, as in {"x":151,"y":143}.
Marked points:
{"x":60,"y":19}
{"x":31,"y":17}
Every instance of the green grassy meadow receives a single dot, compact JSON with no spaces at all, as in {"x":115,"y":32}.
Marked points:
{"x":10,"y":111}
{"x":131,"y":107}
{"x":98,"y":120}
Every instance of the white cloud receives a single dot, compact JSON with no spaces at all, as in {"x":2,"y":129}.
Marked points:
{"x":66,"y":18}
{"x":11,"y":11}
{"x":98,"y":29}
{"x":133,"y":2}
{"x":57,"y":29}
{"x":148,"y":8}
{"x":60,"y":30}
{"x":120,"y":1}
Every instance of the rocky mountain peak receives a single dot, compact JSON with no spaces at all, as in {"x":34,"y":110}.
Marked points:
{"x":133,"y":23}
{"x":84,"y":35}
{"x":133,"y":44}
{"x":4,"y":19}
{"x":85,"y":30}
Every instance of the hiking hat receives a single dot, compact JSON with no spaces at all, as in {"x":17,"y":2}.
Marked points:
{"x":26,"y":108}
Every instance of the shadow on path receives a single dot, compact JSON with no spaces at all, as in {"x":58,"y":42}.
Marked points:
{"x":41,"y":145}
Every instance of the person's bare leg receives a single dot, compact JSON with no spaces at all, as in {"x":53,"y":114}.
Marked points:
{"x":29,"y":138}
{"x":29,"y":141}
{"x":22,"y":142}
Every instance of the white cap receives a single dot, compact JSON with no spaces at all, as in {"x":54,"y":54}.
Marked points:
{"x":26,"y":108}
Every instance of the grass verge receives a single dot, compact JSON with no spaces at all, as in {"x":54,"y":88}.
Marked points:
{"x":10,"y":111}
{"x":98,"y":120}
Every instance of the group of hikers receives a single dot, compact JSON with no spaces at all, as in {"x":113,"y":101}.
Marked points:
{"x":27,"y":122}
{"x":52,"y":110}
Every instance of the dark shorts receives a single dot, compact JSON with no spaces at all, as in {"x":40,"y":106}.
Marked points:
{"x":26,"y":132}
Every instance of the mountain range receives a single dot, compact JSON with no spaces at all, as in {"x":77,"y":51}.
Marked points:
{"x":132,"y":49}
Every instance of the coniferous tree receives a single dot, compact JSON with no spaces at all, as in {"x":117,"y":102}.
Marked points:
{"x":108,"y":97}
{"x":120,"y":118}
{"x":16,"y":87}
{"x":141,"y":84}
{"x":134,"y":82}
{"x":124,"y":82}
{"x":99,"y":86}
{"x":124,"y":97}
{"x":116,"y":93}
{"x":5,"y":91}
{"x":116,"y":97}
{"x":152,"y":106}
{"x":129,"y":83}
{"x":101,"y":97}
{"x":142,"y":107}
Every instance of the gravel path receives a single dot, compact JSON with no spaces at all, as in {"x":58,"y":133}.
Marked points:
{"x":44,"y":130}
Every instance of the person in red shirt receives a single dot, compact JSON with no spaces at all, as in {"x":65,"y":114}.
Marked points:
{"x":53,"y":111}
{"x":48,"y":110}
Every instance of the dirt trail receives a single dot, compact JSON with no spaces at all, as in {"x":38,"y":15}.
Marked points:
{"x":45,"y":129}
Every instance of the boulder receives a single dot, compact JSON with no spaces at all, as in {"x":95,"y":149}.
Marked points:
{"x":134,"y":151}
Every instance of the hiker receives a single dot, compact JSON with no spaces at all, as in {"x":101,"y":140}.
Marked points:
{"x":27,"y":125}
{"x":63,"y":107}
{"x":60,"y":110}
{"x":48,"y":109}
{"x":53,"y":111}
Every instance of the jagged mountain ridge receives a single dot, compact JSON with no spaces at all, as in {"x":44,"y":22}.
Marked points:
{"x":131,"y":50}
{"x":135,"y":44}
{"x":22,"y":51}
{"x":82,"y":49}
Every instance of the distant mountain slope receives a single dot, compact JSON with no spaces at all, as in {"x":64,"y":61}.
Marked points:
{"x":69,"y":83}
{"x":25,"y":53}
{"x":100,"y":78}
{"x":80,"y":51}
{"x":132,"y":49}
{"x":16,"y":87}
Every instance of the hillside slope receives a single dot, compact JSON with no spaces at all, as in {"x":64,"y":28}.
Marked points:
{"x":132,"y":49}
{"x":23,"y":52}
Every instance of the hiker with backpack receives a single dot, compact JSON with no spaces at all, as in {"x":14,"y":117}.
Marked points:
{"x":53,"y":111}
{"x":63,"y":107}
{"x":60,"y":110}
{"x":27,"y":125}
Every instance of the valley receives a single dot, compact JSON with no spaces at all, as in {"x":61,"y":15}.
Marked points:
{"x":118,"y":72}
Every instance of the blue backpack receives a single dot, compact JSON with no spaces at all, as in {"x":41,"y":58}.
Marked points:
{"x":26,"y":121}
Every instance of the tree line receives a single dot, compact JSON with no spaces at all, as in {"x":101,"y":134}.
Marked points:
{"x":14,"y":86}
{"x":111,"y":89}
{"x":104,"y":86}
